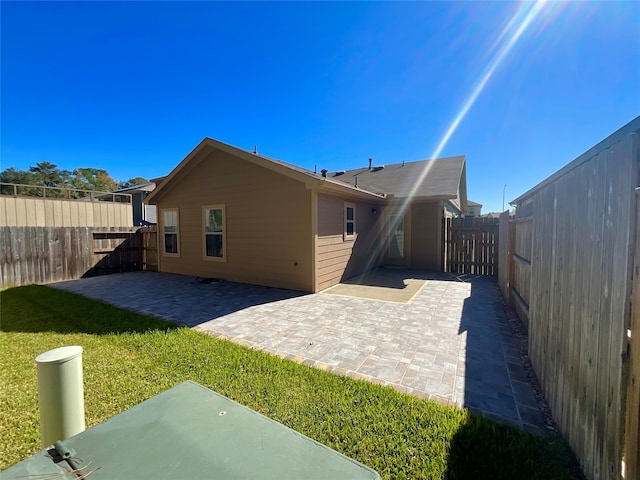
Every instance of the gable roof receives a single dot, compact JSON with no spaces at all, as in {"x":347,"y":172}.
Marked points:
{"x":471,"y":203}
{"x":444,"y":178}
{"x":292,"y":171}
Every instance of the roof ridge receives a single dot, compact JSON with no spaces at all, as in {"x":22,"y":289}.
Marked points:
{"x":404,"y":163}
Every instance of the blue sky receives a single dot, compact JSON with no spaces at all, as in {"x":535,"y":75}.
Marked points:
{"x":133,"y":87}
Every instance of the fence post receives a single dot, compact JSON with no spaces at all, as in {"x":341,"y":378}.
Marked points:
{"x":511,"y":261}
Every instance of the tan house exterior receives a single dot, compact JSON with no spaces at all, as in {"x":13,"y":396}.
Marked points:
{"x":227,"y":213}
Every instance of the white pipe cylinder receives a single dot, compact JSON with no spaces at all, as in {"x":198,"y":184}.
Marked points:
{"x":61,"y":394}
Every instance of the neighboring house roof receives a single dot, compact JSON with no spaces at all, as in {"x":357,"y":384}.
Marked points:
{"x":471,"y":203}
{"x":292,"y":171}
{"x":158,"y":180}
{"x":442,"y":180}
{"x":145,"y":187}
{"x":492,"y":215}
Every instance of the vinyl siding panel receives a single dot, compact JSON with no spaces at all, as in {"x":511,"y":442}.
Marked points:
{"x":268,"y":231}
{"x":338,"y":259}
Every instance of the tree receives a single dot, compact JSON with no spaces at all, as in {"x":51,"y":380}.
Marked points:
{"x":47,"y":174}
{"x":11,"y":175}
{"x":20,"y":177}
{"x":132,"y":182}
{"x":93,"y":179}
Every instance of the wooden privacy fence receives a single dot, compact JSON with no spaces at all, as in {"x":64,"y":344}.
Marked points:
{"x":51,"y":254}
{"x":470,"y":245}
{"x":571,"y":270}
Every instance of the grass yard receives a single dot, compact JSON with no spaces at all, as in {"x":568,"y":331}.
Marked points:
{"x":129,"y":358}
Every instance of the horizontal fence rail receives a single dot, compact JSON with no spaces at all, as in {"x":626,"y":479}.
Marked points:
{"x":64,"y":193}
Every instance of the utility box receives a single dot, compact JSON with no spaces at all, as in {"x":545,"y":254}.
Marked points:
{"x":190,"y":431}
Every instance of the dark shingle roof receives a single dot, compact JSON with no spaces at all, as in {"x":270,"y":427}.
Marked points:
{"x":442,"y":178}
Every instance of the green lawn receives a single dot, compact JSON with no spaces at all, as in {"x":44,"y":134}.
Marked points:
{"x":129,"y":358}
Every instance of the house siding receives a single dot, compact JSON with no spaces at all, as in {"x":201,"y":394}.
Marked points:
{"x":426,"y":236}
{"x":267,"y":226}
{"x":338,"y":259}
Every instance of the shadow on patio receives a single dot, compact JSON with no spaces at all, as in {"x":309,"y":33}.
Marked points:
{"x":181,"y":299}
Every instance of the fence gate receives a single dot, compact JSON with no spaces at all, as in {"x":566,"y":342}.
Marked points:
{"x":149,"y":248}
{"x":470,"y":245}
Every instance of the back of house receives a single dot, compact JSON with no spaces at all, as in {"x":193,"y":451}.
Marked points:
{"x":227,"y":213}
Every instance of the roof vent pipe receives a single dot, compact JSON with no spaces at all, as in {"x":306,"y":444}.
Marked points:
{"x":324,"y":172}
{"x":370,"y":161}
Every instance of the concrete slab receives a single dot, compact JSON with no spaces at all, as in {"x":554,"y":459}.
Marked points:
{"x":387,"y":285}
{"x":450,"y":343}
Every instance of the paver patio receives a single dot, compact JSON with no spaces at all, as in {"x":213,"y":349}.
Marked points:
{"x":451,"y":343}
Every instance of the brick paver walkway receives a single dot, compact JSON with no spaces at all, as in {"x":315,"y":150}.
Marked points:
{"x":451,"y":343}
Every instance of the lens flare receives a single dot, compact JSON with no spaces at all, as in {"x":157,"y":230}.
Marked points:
{"x":502,"y":46}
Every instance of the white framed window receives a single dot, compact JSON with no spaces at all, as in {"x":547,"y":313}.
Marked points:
{"x":349,"y":221}
{"x":170,"y":230}
{"x":214,"y":231}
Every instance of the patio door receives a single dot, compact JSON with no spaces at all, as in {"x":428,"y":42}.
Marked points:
{"x":396,"y":250}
